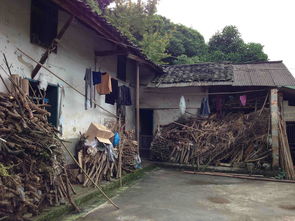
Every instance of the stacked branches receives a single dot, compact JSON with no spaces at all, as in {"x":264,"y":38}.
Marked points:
{"x":235,"y":139}
{"x":32,"y":174}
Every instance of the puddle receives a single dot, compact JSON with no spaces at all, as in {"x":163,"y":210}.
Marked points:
{"x":219,"y":200}
{"x":287,"y":207}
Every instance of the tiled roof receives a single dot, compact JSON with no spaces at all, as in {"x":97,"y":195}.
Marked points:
{"x":81,"y":10}
{"x":208,"y":74}
{"x":205,"y":72}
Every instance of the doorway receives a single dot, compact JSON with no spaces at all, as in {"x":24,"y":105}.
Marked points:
{"x":146,"y":131}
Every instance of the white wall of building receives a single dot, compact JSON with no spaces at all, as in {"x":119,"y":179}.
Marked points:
{"x":74,"y":54}
{"x":165,"y":102}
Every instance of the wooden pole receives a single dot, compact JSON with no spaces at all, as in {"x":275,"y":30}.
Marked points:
{"x":64,"y":81}
{"x":51,"y":47}
{"x":137,"y":106}
{"x":274,"y":127}
{"x":85,"y":173}
{"x":239,"y":176}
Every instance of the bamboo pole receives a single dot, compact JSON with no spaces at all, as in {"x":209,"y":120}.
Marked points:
{"x":98,"y":187}
{"x":239,"y":176}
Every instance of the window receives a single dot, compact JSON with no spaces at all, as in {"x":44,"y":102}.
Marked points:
{"x":50,"y":97}
{"x":44,"y":20}
{"x":121,"y":67}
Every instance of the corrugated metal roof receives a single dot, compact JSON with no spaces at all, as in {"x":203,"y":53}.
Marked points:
{"x":272,"y":73}
{"x":262,"y":74}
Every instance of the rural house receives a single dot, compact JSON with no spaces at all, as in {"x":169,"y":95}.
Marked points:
{"x":67,"y":37}
{"x":225,"y":88}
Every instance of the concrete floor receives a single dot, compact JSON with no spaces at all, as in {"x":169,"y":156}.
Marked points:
{"x":167,"y":195}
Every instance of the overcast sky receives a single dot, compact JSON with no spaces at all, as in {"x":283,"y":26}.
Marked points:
{"x":269,"y":22}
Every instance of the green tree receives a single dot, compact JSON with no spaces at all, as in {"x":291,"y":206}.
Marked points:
{"x":228,"y":45}
{"x":154,"y":46}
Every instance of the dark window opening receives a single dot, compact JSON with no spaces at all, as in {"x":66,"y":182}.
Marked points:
{"x":121,"y":67}
{"x":146,"y":131}
{"x":291,"y":138}
{"x":50,"y":97}
{"x":44,"y":20}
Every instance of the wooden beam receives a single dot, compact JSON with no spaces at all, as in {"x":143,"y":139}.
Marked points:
{"x":52,"y":47}
{"x":87,"y":18}
{"x":274,"y":127}
{"x":137,"y":59}
{"x":137,"y":107}
{"x":110,"y":53}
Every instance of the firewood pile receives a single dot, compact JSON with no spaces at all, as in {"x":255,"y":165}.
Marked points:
{"x":235,"y":139}
{"x":98,"y":162}
{"x":102,"y":161}
{"x":32,"y":173}
{"x":129,"y":152}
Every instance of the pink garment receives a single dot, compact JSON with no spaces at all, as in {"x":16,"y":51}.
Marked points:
{"x":243,"y":100}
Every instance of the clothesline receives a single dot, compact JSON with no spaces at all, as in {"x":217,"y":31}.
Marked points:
{"x":112,"y":114}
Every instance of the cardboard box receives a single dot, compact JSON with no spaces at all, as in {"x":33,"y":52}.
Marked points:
{"x":99,"y":132}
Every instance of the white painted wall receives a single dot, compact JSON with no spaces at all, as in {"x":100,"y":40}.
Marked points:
{"x":75,"y":53}
{"x":165,"y":102}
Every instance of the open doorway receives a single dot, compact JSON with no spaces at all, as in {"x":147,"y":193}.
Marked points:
{"x":146,"y":131}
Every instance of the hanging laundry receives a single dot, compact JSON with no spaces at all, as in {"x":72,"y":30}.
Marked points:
{"x":243,"y":100}
{"x":105,"y":87}
{"x":96,"y":76}
{"x":205,"y":108}
{"x":113,"y":96}
{"x":219,"y":105}
{"x":182,"y":105}
{"x":124,"y":96}
{"x":88,"y":88}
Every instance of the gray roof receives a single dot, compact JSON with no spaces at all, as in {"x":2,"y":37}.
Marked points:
{"x":271,"y":73}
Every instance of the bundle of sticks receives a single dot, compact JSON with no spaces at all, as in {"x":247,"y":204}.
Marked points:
{"x":99,"y":165}
{"x":129,"y":151}
{"x":32,"y":172}
{"x":235,"y":139}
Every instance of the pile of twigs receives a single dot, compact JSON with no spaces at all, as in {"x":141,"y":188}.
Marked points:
{"x":98,"y":166}
{"x":129,"y":152}
{"x":235,"y":139}
{"x":32,"y":173}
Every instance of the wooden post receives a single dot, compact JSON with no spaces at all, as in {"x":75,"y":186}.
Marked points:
{"x":274,"y":127}
{"x":137,"y":106}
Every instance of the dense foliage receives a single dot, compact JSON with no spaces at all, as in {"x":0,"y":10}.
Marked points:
{"x":166,"y":42}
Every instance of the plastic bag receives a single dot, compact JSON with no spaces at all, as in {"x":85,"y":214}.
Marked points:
{"x":117,"y":139}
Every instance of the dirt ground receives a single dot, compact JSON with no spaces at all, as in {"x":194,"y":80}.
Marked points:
{"x":168,"y":195}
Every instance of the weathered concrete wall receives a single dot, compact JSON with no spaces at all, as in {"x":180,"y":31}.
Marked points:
{"x":165,"y":102}
{"x":75,"y":53}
